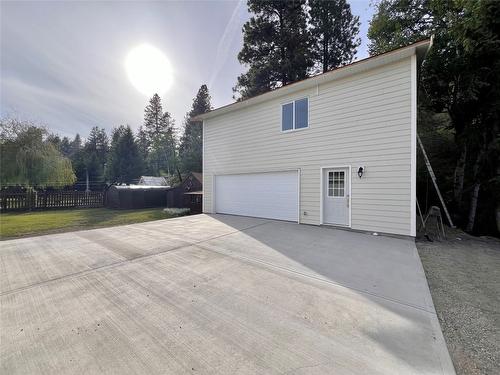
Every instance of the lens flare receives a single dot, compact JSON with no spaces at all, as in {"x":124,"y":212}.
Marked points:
{"x":149,"y":70}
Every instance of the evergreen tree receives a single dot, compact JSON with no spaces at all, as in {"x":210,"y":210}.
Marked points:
{"x":153,"y":118}
{"x":75,"y":154}
{"x":124,"y":161}
{"x":55,"y":140}
{"x":160,"y":135}
{"x":76,"y":144}
{"x":276,"y":46}
{"x":65,"y":146}
{"x":335,"y":33}
{"x":190,"y":149}
{"x":95,"y":153}
{"x":143,"y":146}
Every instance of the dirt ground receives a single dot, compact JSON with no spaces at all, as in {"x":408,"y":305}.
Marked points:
{"x":464,"y":278}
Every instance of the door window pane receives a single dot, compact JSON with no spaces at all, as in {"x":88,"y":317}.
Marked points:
{"x":287,"y":116}
{"x":330,"y":184}
{"x":338,"y":184}
{"x":301,"y":110}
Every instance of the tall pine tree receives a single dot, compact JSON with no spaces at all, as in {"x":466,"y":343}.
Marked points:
{"x":160,"y":136}
{"x":95,"y":154}
{"x":276,"y":46}
{"x":76,"y":156}
{"x":335,"y":33}
{"x":65,"y":146}
{"x":143,"y":147}
{"x":190,"y":149}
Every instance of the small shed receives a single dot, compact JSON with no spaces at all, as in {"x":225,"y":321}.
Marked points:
{"x":189,"y":194}
{"x":153,"y":181}
{"x":136,"y":196}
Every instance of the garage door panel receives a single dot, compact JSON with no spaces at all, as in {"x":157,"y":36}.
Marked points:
{"x":272,"y":195}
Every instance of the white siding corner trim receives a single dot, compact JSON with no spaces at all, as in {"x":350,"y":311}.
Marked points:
{"x":413,"y":182}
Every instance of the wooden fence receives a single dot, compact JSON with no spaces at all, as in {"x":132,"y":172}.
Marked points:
{"x":50,"y":199}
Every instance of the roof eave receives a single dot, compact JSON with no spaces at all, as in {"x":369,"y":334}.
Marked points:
{"x":419,"y":48}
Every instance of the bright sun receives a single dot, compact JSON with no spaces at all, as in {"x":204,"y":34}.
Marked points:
{"x":149,"y":70}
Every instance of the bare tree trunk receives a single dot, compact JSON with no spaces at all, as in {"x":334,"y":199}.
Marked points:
{"x":326,"y":63}
{"x":476,"y":187}
{"x":498,"y":202}
{"x":458,"y":177}
{"x":473,"y":207}
{"x":179,"y":173}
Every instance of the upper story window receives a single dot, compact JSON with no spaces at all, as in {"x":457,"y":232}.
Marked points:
{"x":295,"y":115}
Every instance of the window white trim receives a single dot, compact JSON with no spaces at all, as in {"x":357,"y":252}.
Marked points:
{"x":293,"y":116}
{"x":328,"y":188}
{"x":293,"y":129}
{"x":321,"y":179}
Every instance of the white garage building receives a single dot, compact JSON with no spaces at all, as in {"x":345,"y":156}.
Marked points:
{"x":335,"y":149}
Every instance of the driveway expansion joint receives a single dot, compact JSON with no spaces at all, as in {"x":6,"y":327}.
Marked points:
{"x":122,"y":262}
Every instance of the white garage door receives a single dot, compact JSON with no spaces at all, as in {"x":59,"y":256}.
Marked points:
{"x":272,"y":195}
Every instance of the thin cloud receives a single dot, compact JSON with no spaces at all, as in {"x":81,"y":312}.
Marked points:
{"x":231,"y":33}
{"x":62,"y":62}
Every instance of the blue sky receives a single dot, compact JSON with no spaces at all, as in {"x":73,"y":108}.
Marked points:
{"x":62,"y":63}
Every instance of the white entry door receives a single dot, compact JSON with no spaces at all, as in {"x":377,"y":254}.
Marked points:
{"x":272,"y":195}
{"x":336,"y":199}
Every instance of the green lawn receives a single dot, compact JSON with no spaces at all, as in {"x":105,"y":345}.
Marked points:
{"x":43,"y":222}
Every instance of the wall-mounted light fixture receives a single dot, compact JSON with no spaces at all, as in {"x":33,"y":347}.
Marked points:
{"x":361,"y":170}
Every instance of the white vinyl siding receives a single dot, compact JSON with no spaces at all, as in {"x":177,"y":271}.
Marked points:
{"x":358,"y":120}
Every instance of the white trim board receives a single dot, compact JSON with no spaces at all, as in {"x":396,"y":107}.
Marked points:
{"x":413,"y":179}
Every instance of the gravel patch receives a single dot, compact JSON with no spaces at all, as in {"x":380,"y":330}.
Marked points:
{"x":464,"y":278}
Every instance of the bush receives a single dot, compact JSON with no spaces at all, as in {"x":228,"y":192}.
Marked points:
{"x":177,"y":211}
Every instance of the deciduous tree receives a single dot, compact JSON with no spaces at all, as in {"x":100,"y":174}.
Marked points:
{"x":29,"y":158}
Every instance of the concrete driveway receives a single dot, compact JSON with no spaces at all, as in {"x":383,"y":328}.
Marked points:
{"x":217,"y":295}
